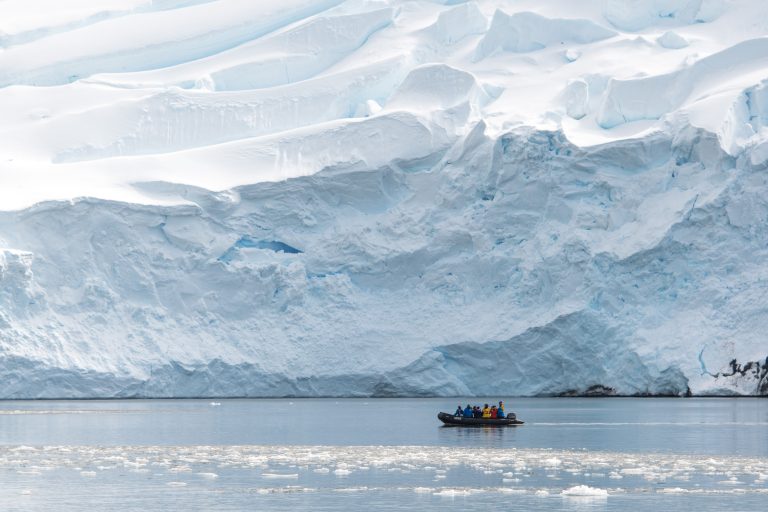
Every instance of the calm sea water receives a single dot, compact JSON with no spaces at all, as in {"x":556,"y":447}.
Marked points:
{"x":389,"y":454}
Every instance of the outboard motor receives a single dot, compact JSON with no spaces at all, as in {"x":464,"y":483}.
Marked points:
{"x":511,"y":416}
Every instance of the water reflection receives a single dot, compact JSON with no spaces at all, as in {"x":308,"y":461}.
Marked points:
{"x":477,"y":436}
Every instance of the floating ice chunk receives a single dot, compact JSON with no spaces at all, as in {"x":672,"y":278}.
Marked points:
{"x":208,"y":475}
{"x":215,"y":404}
{"x":290,"y":489}
{"x":26,"y":492}
{"x":672,"y":41}
{"x":280,"y":475}
{"x":453,"y":492}
{"x":342,"y":472}
{"x":176,"y":484}
{"x":422,"y":490}
{"x":584,"y":490}
{"x":88,"y":473}
{"x":541,"y":492}
{"x":23,"y":448}
{"x":321,"y":470}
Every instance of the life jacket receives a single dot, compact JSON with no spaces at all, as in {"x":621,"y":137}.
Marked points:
{"x":486,"y":412}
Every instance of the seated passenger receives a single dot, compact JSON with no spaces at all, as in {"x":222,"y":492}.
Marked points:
{"x":501,"y":413}
{"x":476,"y":412}
{"x":468,"y":412}
{"x":493,"y":412}
{"x":486,"y":411}
{"x":459,"y":411}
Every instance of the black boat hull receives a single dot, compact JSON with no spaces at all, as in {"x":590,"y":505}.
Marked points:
{"x":459,"y":421}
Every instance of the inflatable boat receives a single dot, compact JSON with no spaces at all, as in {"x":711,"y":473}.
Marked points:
{"x":460,"y":421}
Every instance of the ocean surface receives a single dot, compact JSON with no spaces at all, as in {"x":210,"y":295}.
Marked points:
{"x":602,"y":454}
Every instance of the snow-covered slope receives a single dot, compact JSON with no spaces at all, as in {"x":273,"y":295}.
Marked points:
{"x":375,"y":197}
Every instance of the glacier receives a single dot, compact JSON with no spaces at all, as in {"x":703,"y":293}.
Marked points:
{"x":383,"y":198}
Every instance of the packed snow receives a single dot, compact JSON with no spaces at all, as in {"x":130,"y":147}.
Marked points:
{"x":381,"y":197}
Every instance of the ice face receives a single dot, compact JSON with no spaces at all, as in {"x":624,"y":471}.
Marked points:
{"x":382,"y":198}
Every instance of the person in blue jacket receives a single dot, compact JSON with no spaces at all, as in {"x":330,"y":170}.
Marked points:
{"x":468,"y":411}
{"x":500,"y":413}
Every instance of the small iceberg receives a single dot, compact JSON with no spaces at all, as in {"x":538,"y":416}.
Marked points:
{"x":585,"y":491}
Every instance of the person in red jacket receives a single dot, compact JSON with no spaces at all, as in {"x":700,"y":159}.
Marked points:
{"x":493,"y":412}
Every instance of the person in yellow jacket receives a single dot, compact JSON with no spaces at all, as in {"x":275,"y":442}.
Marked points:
{"x":486,"y":411}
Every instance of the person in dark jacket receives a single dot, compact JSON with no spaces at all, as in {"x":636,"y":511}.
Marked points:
{"x":459,"y":411}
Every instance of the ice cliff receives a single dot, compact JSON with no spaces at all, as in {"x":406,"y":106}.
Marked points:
{"x":375,"y":197}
